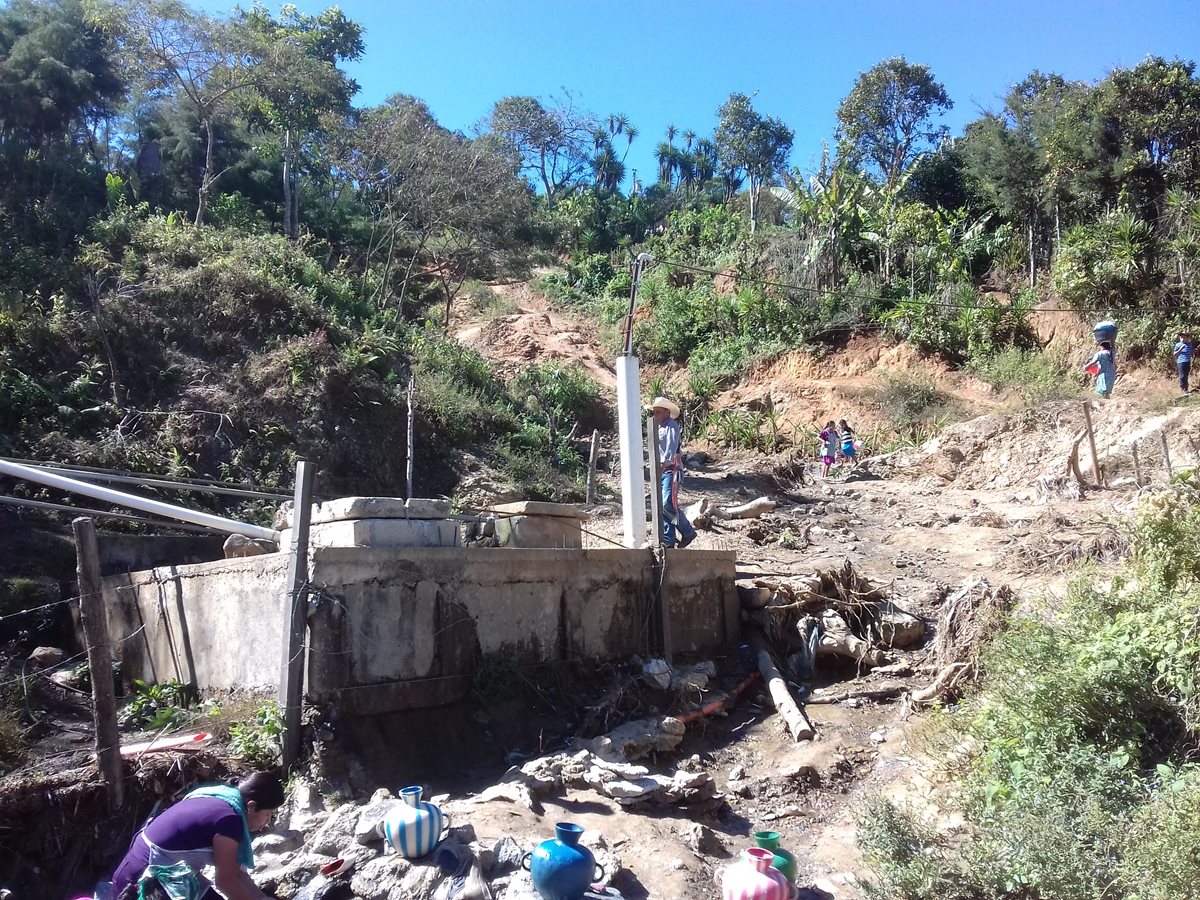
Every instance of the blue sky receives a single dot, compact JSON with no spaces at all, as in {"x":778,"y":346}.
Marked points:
{"x":669,"y":61}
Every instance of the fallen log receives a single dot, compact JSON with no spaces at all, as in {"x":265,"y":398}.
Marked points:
{"x":883,"y":693}
{"x":837,"y":639}
{"x":798,"y":725}
{"x":751,"y":510}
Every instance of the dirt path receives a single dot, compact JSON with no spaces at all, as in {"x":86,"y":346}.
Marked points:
{"x":966,"y":506}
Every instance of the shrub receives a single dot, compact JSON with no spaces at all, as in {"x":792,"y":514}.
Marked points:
{"x":1037,"y":376}
{"x":908,"y":399}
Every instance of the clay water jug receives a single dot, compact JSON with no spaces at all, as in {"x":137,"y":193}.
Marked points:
{"x":752,"y":878}
{"x":413,"y":828}
{"x":561,"y":868}
{"x":784,"y":861}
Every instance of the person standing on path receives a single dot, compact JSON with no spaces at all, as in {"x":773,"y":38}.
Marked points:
{"x":670,"y":459}
{"x":831,"y":444}
{"x":1104,"y":367}
{"x":1183,"y":351}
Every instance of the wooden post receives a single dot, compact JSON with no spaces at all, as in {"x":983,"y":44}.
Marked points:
{"x":1162,"y":438}
{"x":291,"y":682}
{"x":1097,"y":474}
{"x":412,"y":430}
{"x":591,"y":476}
{"x":1137,"y":465}
{"x":99,"y":654}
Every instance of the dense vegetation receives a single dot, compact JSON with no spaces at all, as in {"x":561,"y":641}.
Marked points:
{"x":1078,"y":759}
{"x":216,"y":263}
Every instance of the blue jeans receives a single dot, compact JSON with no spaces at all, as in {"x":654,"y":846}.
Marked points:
{"x":1184,"y":368}
{"x":672,"y":519}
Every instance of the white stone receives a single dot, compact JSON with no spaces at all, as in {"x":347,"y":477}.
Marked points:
{"x":380,"y":532}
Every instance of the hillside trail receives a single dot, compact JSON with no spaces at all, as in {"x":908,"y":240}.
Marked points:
{"x":990,"y":497}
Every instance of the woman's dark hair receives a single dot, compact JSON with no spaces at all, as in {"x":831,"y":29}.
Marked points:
{"x":1106,"y":345}
{"x":264,"y":788}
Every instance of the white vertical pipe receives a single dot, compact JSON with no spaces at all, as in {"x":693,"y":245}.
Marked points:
{"x":181,"y":513}
{"x":629,"y":426}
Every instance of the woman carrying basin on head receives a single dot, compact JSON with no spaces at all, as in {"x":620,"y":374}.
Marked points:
{"x":211,"y":826}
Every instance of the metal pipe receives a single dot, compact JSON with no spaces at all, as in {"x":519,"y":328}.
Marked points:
{"x":173,"y":479}
{"x":99,"y":513}
{"x":170,"y":511}
{"x":161,"y":483}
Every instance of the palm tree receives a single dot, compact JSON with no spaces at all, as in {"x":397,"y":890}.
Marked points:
{"x":671,"y":132}
{"x":630,"y":133}
{"x":688,"y":137}
{"x":665,"y":154}
{"x":620,"y":121}
{"x":608,"y":170}
{"x":705,"y":157}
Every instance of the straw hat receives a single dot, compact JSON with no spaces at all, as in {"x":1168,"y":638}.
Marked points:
{"x":669,"y":405}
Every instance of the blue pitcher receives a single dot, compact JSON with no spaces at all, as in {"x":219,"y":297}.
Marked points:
{"x":413,"y":828}
{"x":560,"y":867}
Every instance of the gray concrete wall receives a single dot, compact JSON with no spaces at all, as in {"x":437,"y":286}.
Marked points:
{"x":405,"y":628}
{"x":216,"y":625}
{"x":404,"y":631}
{"x":121,"y":553}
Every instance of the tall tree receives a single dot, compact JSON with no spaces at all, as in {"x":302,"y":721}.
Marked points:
{"x":173,"y":50}
{"x":887,"y":119}
{"x":552,"y":143}
{"x":751,"y":143}
{"x":296,"y":82}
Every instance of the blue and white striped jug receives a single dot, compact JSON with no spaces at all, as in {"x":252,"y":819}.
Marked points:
{"x":412,"y":828}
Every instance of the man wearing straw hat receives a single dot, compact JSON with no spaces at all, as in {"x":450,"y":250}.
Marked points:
{"x":666,"y":418}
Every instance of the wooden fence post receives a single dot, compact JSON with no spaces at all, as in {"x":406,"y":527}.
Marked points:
{"x":1137,"y":465}
{"x":291,"y":682}
{"x":1097,"y":473}
{"x":99,"y":654}
{"x":1166,"y":451}
{"x":412,"y":430}
{"x":591,"y":475}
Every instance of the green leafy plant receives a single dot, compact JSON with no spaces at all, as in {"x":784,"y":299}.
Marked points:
{"x":156,"y":706}
{"x":257,"y":739}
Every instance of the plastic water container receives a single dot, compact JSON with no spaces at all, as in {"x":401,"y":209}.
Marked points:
{"x":1105,"y":331}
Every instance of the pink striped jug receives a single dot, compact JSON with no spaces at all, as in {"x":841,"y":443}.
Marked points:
{"x":752,"y":878}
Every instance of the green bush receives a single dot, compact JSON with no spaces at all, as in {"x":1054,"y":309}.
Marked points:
{"x":908,"y":399}
{"x":1037,"y":376}
{"x":1080,"y":780}
{"x":257,"y":739}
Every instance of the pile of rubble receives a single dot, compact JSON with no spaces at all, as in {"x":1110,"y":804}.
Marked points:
{"x":617,"y":765}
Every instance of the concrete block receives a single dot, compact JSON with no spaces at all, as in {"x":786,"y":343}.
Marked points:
{"x":344,"y":508}
{"x":540,"y":508}
{"x":380,"y":533}
{"x":558,"y":532}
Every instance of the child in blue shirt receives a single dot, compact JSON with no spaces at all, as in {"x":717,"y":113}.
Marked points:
{"x":1183,"y":351}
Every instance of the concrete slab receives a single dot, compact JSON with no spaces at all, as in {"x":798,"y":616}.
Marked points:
{"x":540,"y":508}
{"x":344,"y":508}
{"x":539,"y":531}
{"x":379,"y":533}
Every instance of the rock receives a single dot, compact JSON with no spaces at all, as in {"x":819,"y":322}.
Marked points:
{"x":366,"y":829}
{"x":693,"y":678}
{"x":506,"y":856}
{"x":899,"y":628}
{"x":657,"y":674}
{"x":306,"y":811}
{"x":639,"y":738}
{"x":382,"y":879}
{"x":238,"y":546}
{"x":45,"y":658}
{"x":463,"y":834}
{"x":877,"y":737}
{"x":337,"y":832}
{"x":521,"y":887}
{"x":514,"y":792}
{"x":737,"y":773}
{"x":702,"y":840}
{"x":279,"y":842}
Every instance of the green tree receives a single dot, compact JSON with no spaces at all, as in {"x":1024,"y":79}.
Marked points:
{"x":887,"y":119}
{"x":552,"y":143}
{"x":751,"y":143}
{"x":296,"y":82}
{"x":172,"y":50}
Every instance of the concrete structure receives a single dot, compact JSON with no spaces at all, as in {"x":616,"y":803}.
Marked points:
{"x":400,"y":629}
{"x":378,"y":522}
{"x":531,"y":523}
